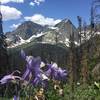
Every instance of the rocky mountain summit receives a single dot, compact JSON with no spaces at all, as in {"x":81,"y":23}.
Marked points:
{"x":31,"y":31}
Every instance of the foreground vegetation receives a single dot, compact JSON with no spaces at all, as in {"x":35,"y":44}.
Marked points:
{"x":80,"y":92}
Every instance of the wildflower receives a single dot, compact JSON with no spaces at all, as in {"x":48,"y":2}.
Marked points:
{"x":33,"y":72}
{"x":56,"y":72}
{"x":9,"y":78}
{"x":61,"y":74}
{"x":16,"y":97}
{"x":41,"y":79}
{"x":32,"y":65}
{"x":29,"y":60}
{"x":26,"y":74}
{"x":49,"y":70}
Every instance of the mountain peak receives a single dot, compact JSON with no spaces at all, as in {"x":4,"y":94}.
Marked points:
{"x":27,"y":29}
{"x":65,"y":20}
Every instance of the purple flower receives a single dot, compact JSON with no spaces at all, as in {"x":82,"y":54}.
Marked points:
{"x":16,"y":97}
{"x":54,"y":72}
{"x":26,"y":74}
{"x":41,"y":80}
{"x":61,"y":74}
{"x":52,"y":69}
{"x":49,"y":71}
{"x":33,"y":68}
{"x":8,"y":78}
{"x":37,"y":80}
{"x":37,"y":62}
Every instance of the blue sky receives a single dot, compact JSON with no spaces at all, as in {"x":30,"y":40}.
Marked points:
{"x":44,"y":12}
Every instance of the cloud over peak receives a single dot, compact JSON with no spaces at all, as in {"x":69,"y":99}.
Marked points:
{"x":42,"y":20}
{"x":10,"y":13}
{"x":32,"y":3}
{"x":7,"y":1}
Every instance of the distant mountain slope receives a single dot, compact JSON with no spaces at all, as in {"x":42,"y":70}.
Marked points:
{"x":26,"y":30}
{"x":66,"y":28}
{"x":59,"y":33}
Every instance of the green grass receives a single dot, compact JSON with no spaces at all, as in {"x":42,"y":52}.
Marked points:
{"x":81,"y":92}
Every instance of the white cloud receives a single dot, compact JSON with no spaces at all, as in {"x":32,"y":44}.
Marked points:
{"x":7,"y":1}
{"x":40,"y":19}
{"x":10,"y":13}
{"x":32,"y":4}
{"x":38,"y":1}
{"x":14,"y":26}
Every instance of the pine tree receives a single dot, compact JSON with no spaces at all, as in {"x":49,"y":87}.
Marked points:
{"x":3,"y":50}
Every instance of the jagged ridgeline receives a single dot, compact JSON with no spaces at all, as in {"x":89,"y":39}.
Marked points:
{"x":26,"y":30}
{"x":29,"y":29}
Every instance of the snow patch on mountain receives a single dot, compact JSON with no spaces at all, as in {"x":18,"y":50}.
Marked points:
{"x":35,"y":36}
{"x":22,"y":41}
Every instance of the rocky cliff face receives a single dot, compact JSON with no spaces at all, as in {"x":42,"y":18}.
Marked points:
{"x":66,"y":28}
{"x":26,"y":30}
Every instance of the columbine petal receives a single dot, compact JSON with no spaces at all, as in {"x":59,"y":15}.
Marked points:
{"x":55,"y":72}
{"x":42,"y":64}
{"x":54,"y":66}
{"x":44,"y":77}
{"x":41,"y":80}
{"x":37,"y":80}
{"x":61,"y":74}
{"x":8,"y":78}
{"x":26,"y":74}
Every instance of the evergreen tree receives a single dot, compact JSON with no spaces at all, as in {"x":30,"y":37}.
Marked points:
{"x":3,"y":50}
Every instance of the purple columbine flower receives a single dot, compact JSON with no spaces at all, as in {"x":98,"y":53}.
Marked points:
{"x":55,"y":72}
{"x":61,"y":74}
{"x":33,"y":68}
{"x":26,"y":74}
{"x":29,"y":64}
{"x":41,"y":79}
{"x":8,"y":78}
{"x":49,"y":70}
{"x":52,"y":70}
